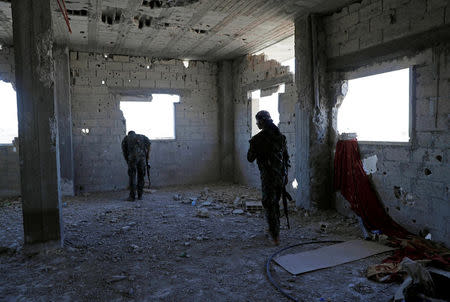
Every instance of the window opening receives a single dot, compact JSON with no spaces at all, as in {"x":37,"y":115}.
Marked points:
{"x":9,"y":127}
{"x":152,"y":116}
{"x":266,"y":100}
{"x":376,"y":107}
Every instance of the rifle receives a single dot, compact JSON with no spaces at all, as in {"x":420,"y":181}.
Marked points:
{"x":148,"y":172}
{"x":286,"y":196}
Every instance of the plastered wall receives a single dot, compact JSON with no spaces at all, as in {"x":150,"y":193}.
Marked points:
{"x":190,"y":158}
{"x":412,"y":179}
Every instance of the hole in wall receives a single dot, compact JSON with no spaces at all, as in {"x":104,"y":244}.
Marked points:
{"x":439,"y":157}
{"x":427,"y":171}
{"x":397,"y":192}
{"x":295,"y":183}
{"x":85,"y":131}
{"x":414,"y":221}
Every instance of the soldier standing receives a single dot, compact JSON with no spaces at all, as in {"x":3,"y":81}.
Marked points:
{"x":136,"y":150}
{"x":269,"y":149}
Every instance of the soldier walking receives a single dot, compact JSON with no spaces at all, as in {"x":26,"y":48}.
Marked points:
{"x":269,"y":149}
{"x":136,"y":150}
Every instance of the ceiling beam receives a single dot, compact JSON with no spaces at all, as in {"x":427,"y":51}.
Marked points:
{"x":94,"y":13}
{"x":126,"y":22}
{"x":198,"y":15}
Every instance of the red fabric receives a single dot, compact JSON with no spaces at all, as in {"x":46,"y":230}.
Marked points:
{"x":351,"y":179}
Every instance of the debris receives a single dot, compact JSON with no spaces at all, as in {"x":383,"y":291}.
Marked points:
{"x":151,"y":191}
{"x":206,"y":203}
{"x":202,"y":213}
{"x":117,"y":278}
{"x":237,"y":202}
{"x":177,"y":197}
{"x":238,"y":211}
{"x":126,"y":228}
{"x":184,"y":255}
{"x":253,"y":206}
{"x":134,"y":246}
{"x":187,"y":243}
{"x":418,"y":281}
{"x":193,"y":200}
{"x":428,"y":237}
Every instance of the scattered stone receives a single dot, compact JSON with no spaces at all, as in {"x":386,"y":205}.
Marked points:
{"x":206,"y":203}
{"x":116,"y":278}
{"x":184,"y":255}
{"x":187,"y":243}
{"x":126,"y":228}
{"x":151,"y":191}
{"x":177,"y":197}
{"x":238,"y":211}
{"x":202,"y":213}
{"x":134,"y":246}
{"x":237,"y":202}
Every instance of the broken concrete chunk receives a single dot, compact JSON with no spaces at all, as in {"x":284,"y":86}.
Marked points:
{"x":177,"y":197}
{"x":238,"y":211}
{"x":202,"y":213}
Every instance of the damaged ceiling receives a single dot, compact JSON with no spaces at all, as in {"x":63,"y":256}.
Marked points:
{"x":185,"y":29}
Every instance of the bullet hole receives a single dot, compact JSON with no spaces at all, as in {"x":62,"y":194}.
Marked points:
{"x":384,"y":173}
{"x":112,"y":15}
{"x":414,"y":221}
{"x":427,"y":172}
{"x":81,"y":32}
{"x":387,"y":210}
{"x":74,"y":12}
{"x":439,"y":157}
{"x":392,"y":18}
{"x":397,"y":192}
{"x":397,"y":208}
{"x":99,"y":110}
{"x":200,"y":31}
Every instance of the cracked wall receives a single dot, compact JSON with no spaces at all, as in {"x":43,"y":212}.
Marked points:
{"x":411,"y":179}
{"x":193,"y":157}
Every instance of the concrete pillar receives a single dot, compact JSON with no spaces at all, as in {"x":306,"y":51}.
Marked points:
{"x":64,"y":112}
{"x":38,"y":130}
{"x":226,"y":120}
{"x":313,"y":153}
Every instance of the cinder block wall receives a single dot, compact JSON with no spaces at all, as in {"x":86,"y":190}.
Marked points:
{"x":9,"y":155}
{"x":252,"y":73}
{"x":191,"y":158}
{"x":423,"y":202}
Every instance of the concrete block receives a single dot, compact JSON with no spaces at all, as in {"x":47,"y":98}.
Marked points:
{"x":395,"y":31}
{"x":370,"y":39}
{"x":349,"y":21}
{"x":113,"y":82}
{"x":114,"y":66}
{"x":119,"y":58}
{"x":429,"y":20}
{"x":5,"y":67}
{"x":73,"y":55}
{"x":154,"y":75}
{"x":425,"y":189}
{"x":131,"y":83}
{"x":359,"y":30}
{"x":79,"y":64}
{"x":349,"y":46}
{"x":147,"y":83}
{"x":397,"y":154}
{"x":370,"y":11}
{"x":139,"y":75}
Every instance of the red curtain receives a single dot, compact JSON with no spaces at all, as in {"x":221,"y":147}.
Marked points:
{"x":351,"y":179}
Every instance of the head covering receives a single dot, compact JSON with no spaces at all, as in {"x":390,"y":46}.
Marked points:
{"x":263,"y":115}
{"x":131,"y":133}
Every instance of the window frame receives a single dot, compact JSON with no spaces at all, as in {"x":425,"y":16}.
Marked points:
{"x":364,"y":72}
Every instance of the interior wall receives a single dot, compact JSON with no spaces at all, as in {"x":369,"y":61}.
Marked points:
{"x":411,"y":178}
{"x":193,"y":157}
{"x":252,"y":73}
{"x":9,"y":154}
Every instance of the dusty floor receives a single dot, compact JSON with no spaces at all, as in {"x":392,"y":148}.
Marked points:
{"x":158,"y":249}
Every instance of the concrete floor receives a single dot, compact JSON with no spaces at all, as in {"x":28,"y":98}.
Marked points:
{"x":158,"y":249}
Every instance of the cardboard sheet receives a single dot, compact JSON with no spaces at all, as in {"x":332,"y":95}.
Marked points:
{"x":330,"y":256}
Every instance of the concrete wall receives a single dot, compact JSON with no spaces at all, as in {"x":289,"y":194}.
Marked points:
{"x":252,"y":73}
{"x":9,"y":155}
{"x":193,"y":157}
{"x":412,"y":179}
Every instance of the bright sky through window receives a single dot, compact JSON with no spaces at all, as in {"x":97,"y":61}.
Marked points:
{"x":8,"y":113}
{"x":155,"y":119}
{"x":268,"y":103}
{"x":377,"y":107}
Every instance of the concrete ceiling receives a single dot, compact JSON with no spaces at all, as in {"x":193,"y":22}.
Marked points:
{"x":185,"y":29}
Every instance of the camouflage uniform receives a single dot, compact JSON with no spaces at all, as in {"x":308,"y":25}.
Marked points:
{"x":135,"y":149}
{"x":269,"y":149}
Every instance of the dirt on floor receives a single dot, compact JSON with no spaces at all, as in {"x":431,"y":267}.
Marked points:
{"x":177,"y":244}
